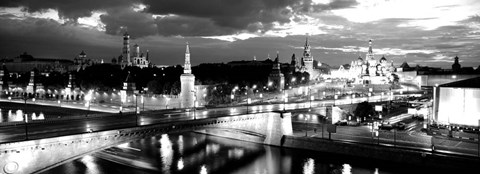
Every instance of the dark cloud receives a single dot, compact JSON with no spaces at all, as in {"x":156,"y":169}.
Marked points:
{"x":119,"y":20}
{"x":48,"y":38}
{"x":190,"y":26}
{"x":226,"y":13}
{"x":68,"y":9}
{"x":307,"y":6}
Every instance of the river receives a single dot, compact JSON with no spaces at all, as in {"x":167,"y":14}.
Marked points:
{"x":204,"y":154}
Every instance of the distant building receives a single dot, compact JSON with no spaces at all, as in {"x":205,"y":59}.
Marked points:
{"x":276,"y":79}
{"x":26,"y":63}
{"x":456,"y":66}
{"x":368,"y":71}
{"x":138,"y":59}
{"x":81,"y":62}
{"x":456,"y":103}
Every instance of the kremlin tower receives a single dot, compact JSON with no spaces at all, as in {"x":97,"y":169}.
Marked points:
{"x":187,"y":81}
{"x":308,"y":59}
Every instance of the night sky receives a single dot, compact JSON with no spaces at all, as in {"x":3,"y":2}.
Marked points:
{"x":424,"y":32}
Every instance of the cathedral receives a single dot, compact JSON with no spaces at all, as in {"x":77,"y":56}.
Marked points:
{"x":370,"y":70}
{"x":138,"y":59}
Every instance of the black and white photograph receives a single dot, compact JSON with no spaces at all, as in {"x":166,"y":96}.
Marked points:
{"x":239,"y":86}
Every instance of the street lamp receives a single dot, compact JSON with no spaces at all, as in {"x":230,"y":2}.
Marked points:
{"x":311,"y":99}
{"x":351,"y":99}
{"x":285,"y":100}
{"x":26,"y":127}
{"x":143,"y":103}
{"x":248,"y":103}
{"x":306,"y":129}
{"x":381,"y":98}
{"x":88,"y":97}
{"x":369,"y":94}
{"x":334,"y":99}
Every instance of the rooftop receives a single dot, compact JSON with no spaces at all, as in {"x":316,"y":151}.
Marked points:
{"x":467,"y":83}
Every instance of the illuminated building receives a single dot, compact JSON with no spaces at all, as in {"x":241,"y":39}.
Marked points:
{"x":368,"y":71}
{"x":138,"y":59}
{"x":187,"y":82}
{"x":276,"y":77}
{"x":457,"y":103}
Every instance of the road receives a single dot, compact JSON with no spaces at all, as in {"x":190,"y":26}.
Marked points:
{"x":411,"y":137}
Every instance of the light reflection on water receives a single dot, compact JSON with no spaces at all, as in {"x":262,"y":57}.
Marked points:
{"x":166,"y":153}
{"x":198,"y":153}
{"x":19,"y":115}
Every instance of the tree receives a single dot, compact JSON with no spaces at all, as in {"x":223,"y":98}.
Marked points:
{"x":364,"y":109}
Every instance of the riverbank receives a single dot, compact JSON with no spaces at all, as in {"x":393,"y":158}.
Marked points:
{"x":398,"y":156}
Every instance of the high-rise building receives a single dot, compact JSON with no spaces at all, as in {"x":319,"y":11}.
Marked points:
{"x":187,"y":82}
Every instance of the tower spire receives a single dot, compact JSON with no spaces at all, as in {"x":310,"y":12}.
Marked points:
{"x":187,"y":67}
{"x":370,"y":46}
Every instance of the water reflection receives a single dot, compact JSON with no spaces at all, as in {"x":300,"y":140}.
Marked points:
{"x":203,"y":170}
{"x":166,"y":153}
{"x":198,"y":153}
{"x":180,"y":164}
{"x":309,"y":166}
{"x":347,"y":169}
{"x":19,"y":115}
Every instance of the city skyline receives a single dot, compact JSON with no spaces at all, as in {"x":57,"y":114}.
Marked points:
{"x":428,"y":33}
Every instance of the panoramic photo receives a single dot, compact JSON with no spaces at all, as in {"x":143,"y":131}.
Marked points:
{"x":239,"y":86}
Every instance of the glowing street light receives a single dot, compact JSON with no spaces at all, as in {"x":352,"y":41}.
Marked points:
{"x":88,"y":98}
{"x":143,"y":103}
{"x":248,"y":103}
{"x":335,"y":99}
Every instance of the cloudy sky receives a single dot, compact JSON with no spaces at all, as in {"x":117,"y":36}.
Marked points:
{"x":425,"y":32}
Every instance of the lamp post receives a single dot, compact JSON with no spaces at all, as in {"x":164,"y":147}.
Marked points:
{"x":248,"y":103}
{"x":369,"y":93}
{"x":335,"y":97}
{"x":143,"y":103}
{"x":306,"y":129}
{"x":285,"y":100}
{"x":26,"y":127}
{"x":88,"y":97}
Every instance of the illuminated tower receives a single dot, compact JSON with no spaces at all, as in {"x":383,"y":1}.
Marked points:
{"x":276,"y":78}
{"x":308,"y":59}
{"x":137,"y":51}
{"x":187,"y":82}
{"x":31,"y":83}
{"x":370,"y":59}
{"x":126,"y":50}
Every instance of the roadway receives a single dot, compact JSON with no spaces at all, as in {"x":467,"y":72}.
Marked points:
{"x":411,"y":137}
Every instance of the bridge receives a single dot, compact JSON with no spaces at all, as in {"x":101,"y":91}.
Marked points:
{"x":42,"y":154}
